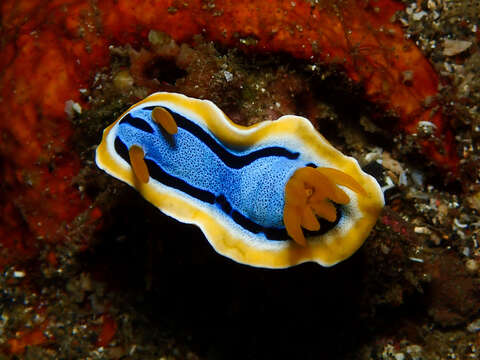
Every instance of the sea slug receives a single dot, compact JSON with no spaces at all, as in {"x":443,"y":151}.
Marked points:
{"x":249,"y":189}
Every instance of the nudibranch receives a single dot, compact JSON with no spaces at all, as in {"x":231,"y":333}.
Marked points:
{"x":251,"y":190}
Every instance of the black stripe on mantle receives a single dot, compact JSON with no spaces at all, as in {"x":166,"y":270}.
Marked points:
{"x":231,"y":160}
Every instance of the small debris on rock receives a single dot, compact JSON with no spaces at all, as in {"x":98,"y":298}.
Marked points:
{"x":474,"y":326}
{"x":454,"y":47}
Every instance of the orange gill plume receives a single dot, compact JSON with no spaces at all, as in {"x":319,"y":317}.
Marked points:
{"x":309,"y":193}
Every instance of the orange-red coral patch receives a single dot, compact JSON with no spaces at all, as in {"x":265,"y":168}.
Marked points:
{"x":26,"y":338}
{"x":47,"y":68}
{"x":107,"y":330}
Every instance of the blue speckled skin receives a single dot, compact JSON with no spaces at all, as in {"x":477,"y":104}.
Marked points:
{"x":255,"y":190}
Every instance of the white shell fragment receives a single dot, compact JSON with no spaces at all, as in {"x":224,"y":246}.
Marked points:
{"x":454,"y":47}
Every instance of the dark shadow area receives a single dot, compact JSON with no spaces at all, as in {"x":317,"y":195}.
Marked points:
{"x":164,"y":70}
{"x":170,"y":275}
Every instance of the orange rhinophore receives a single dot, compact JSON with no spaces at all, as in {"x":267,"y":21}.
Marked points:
{"x":163,"y":118}
{"x":137,"y":162}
